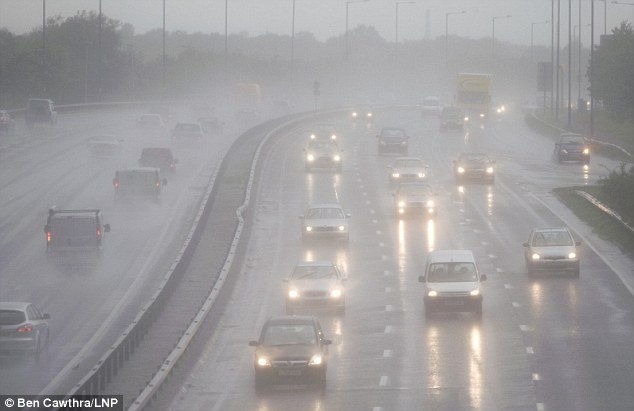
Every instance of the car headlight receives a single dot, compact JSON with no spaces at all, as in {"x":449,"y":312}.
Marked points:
{"x":535,"y":256}
{"x":396,"y":175}
{"x":432,"y":293}
{"x":489,"y":170}
{"x":430,"y":203}
{"x":309,"y":228}
{"x":354,"y":114}
{"x":481,"y":115}
{"x":572,"y":255}
{"x":498,"y":110}
{"x":369,"y":114}
{"x":475,"y":292}
{"x":342,"y":228}
{"x":293,"y":293}
{"x":315,"y":360}
{"x":403,"y":143}
{"x":461,"y":169}
{"x":333,"y":137}
{"x":586,"y":151}
{"x":466,"y":118}
{"x":310,"y":157}
{"x":337,"y":157}
{"x":312,"y":136}
{"x":401,"y":203}
{"x":563,"y":150}
{"x":421,"y":175}
{"x":336,"y":293}
{"x":264,"y":362}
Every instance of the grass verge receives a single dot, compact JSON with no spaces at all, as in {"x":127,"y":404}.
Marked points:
{"x":606,"y":227}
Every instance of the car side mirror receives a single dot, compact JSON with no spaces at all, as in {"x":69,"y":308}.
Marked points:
{"x":348,"y":215}
{"x":253,"y":343}
{"x":326,"y":342}
{"x":301,"y":217}
{"x":483,"y":277}
{"x":164,"y":181}
{"x":421,"y":278}
{"x":525,"y":244}
{"x":46,"y":316}
{"x":578,"y":243}
{"x":106,"y":228}
{"x":285,"y":280}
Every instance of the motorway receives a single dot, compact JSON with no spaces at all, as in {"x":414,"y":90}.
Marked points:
{"x":90,"y":305}
{"x":552,"y":342}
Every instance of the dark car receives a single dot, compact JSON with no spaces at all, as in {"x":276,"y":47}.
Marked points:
{"x":40,"y":111}
{"x":474,"y":167}
{"x":551,"y":249}
{"x":452,"y":118}
{"x":23,"y":328}
{"x":572,"y":147}
{"x":323,"y":132}
{"x":291,"y":349}
{"x":324,"y":154}
{"x":414,"y":198}
{"x":392,"y":140}
{"x":362,"y":112}
{"x":7,"y":123}
{"x":138,"y":183}
{"x":160,"y":157}
{"x":211,"y":125}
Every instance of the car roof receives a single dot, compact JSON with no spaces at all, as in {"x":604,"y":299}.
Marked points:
{"x":291,"y":319}
{"x":13,"y":305}
{"x":325,"y":205}
{"x":318,"y":263}
{"x":550,"y":229}
{"x":450,"y":256}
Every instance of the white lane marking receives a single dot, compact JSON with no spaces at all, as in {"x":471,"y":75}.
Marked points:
{"x":372,"y":211}
{"x":381,"y":244}
{"x":384,"y":257}
{"x":492,"y":256}
{"x":529,"y":350}
{"x":388,"y":329}
{"x":364,"y":193}
{"x":525,"y":327}
{"x":536,"y":377}
{"x":508,"y":286}
{"x":388,"y":353}
{"x":499,"y":270}
{"x":540,"y":406}
{"x":484,"y":243}
{"x":377,"y":409}
{"x":379,"y":232}
{"x":386,"y":273}
{"x":368,"y":202}
{"x":389,"y":308}
{"x":388,"y":289}
{"x":516,"y":305}
{"x":383,"y":381}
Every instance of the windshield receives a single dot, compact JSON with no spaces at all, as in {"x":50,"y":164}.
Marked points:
{"x":11,"y":317}
{"x":409,"y":163}
{"x":451,"y":272}
{"x":552,"y":239}
{"x":475,"y":158}
{"x":314,"y":272}
{"x":577,"y":140}
{"x":325,"y":212}
{"x":419,"y":189}
{"x":392,"y":132}
{"x":292,"y":334}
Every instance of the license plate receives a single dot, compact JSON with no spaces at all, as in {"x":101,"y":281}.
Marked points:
{"x":454,"y":302}
{"x":289,"y":373}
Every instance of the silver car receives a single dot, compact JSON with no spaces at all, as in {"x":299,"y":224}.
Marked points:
{"x":325,"y":221}
{"x":315,"y":284}
{"x":406,"y":169}
{"x":551,"y":249}
{"x":23,"y":328}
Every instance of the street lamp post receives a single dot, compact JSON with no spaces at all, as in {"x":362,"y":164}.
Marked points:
{"x":577,"y":26}
{"x":493,"y":34}
{"x":398,"y":3}
{"x":292,"y":43}
{"x":163,"y":68}
{"x":348,"y":3}
{"x":43,"y":73}
{"x":532,"y":31}
{"x":451,"y":13}
{"x":226,"y":42}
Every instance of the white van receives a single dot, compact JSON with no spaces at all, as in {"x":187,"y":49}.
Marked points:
{"x":75,"y":231}
{"x":452,"y":282}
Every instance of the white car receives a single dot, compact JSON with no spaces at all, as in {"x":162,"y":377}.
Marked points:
{"x":315,"y":284}
{"x":326,"y":220}
{"x":431,"y":106}
{"x":104,"y":145}
{"x":406,"y":169}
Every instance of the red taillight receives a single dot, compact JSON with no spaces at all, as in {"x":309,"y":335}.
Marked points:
{"x":98,"y":232}
{"x":158,"y":184}
{"x":26,"y":328}
{"x":116,"y":183}
{"x":49,"y":237}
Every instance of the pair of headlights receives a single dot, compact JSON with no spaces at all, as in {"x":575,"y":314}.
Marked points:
{"x":311,"y":157}
{"x":472,"y":293}
{"x":336,"y":293}
{"x":314,"y":360}
{"x":571,"y":256}
{"x":398,"y":175}
{"x":462,"y":170}
{"x":340,"y":228}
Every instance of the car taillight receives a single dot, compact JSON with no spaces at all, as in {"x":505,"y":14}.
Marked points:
{"x":98,"y":232}
{"x":158,"y":183}
{"x":116,"y":183}
{"x":26,"y":328}
{"x":49,"y":237}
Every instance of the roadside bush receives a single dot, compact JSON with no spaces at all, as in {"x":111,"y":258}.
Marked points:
{"x":618,"y":189}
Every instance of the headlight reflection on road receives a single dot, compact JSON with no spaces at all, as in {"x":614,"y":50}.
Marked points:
{"x":489,"y":200}
{"x":586,"y":174}
{"x":402,"y":249}
{"x":431,"y":235}
{"x":475,"y":369}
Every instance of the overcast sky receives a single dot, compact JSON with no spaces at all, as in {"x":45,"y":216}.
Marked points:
{"x":327,"y":18}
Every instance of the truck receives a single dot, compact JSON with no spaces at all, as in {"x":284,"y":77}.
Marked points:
{"x":248,"y":99}
{"x":473,"y":95}
{"x":74,"y":232}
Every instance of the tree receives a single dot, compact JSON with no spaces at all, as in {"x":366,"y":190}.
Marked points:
{"x":613,"y":79}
